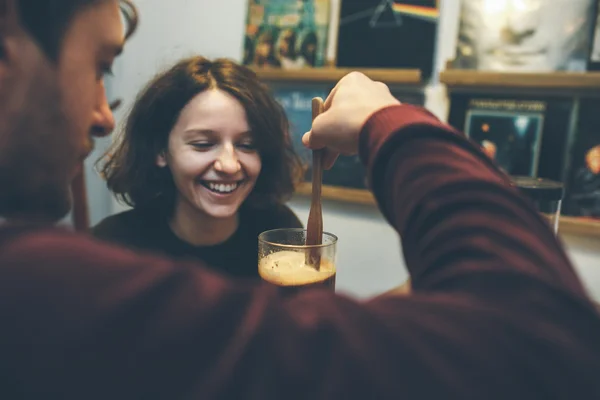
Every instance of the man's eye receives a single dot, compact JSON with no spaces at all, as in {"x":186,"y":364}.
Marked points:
{"x":104,"y":71}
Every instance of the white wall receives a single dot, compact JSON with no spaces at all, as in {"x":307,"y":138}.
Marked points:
{"x":370,"y":259}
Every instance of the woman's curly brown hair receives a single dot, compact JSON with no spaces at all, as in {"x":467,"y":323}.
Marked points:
{"x":130,"y":164}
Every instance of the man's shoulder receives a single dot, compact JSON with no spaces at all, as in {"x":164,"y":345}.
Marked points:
{"x":47,"y":244}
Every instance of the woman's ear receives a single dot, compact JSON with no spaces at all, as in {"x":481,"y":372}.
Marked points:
{"x":161,"y":159}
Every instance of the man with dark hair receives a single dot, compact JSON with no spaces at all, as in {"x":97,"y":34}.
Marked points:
{"x":496,"y":310}
{"x":47,"y":21}
{"x":54,"y":55}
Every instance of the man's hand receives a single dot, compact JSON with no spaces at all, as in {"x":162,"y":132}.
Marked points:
{"x":347,"y":108}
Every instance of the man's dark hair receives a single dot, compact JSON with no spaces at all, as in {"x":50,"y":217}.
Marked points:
{"x":48,"y":20}
{"x":130,"y":165}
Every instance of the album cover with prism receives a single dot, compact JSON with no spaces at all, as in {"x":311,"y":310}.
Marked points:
{"x":388,"y":34}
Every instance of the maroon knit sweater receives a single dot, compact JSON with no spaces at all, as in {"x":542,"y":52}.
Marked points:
{"x":497,"y":310}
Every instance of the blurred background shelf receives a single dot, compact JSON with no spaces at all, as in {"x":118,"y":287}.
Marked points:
{"x":579,"y":226}
{"x":566,"y":83}
{"x":360,"y":196}
{"x":332,"y":75}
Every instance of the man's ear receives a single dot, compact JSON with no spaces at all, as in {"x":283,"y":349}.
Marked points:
{"x":161,"y":159}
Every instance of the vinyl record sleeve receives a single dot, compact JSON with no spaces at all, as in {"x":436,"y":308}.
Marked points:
{"x":469,"y":112}
{"x":288,"y":34}
{"x":524,"y":35}
{"x":509,"y":130}
{"x":388,"y":34}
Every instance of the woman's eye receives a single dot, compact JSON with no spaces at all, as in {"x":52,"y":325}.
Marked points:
{"x":202,"y":145}
{"x":248,"y":146}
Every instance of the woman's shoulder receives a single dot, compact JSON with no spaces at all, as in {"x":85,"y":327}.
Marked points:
{"x":121,"y":225}
{"x":274,"y":216}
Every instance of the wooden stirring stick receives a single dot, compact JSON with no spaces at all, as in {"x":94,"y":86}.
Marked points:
{"x":314,"y":228}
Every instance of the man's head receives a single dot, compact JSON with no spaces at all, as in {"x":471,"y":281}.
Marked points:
{"x":53,"y":57}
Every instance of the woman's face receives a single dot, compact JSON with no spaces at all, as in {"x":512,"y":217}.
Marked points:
{"x":211,"y":154}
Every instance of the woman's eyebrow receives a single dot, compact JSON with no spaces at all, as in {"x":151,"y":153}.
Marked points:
{"x":199,"y":131}
{"x":191,"y":132}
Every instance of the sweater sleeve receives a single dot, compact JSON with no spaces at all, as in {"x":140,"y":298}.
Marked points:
{"x":496,"y":313}
{"x":445,"y":197}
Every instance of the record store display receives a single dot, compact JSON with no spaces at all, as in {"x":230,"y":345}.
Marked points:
{"x":512,"y":97}
{"x":525,"y":35}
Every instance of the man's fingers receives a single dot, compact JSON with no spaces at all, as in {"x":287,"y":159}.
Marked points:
{"x":329,"y":99}
{"x":329,"y":158}
{"x":306,"y":139}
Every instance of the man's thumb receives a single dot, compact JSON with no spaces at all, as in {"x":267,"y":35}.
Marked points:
{"x":316,"y":138}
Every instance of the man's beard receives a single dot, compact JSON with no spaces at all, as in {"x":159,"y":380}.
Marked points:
{"x":36,"y":153}
{"x":44,"y":203}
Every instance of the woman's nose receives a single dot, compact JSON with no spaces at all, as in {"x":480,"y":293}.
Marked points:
{"x":227,"y":162}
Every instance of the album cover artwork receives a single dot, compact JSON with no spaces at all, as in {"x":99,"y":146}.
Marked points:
{"x":546,"y":123}
{"x":297,"y":104}
{"x":510,"y":132}
{"x":525,"y":35}
{"x":288,"y":34}
{"x":348,"y":171}
{"x":582,"y":197}
{"x":388,"y":34}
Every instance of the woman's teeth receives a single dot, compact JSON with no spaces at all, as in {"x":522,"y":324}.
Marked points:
{"x":221,"y":187}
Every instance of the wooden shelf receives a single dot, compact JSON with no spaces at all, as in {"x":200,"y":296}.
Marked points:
{"x":567,"y":226}
{"x":332,"y":75}
{"x":579,"y":227}
{"x":555,"y":81}
{"x":358,"y":196}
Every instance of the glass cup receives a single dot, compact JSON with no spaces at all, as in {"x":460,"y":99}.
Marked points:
{"x":546,"y":195}
{"x":283,"y":256}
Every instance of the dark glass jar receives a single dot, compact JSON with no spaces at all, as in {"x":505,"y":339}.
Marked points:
{"x":546,"y":195}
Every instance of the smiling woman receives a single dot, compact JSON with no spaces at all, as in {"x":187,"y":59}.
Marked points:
{"x":206,"y":162}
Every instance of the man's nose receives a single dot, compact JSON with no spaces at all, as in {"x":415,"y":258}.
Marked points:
{"x":103,"y":122}
{"x":227,"y":162}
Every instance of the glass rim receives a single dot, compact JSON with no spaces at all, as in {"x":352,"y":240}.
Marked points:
{"x":296,"y":246}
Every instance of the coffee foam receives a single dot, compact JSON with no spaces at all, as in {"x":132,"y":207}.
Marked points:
{"x":288,"y":268}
